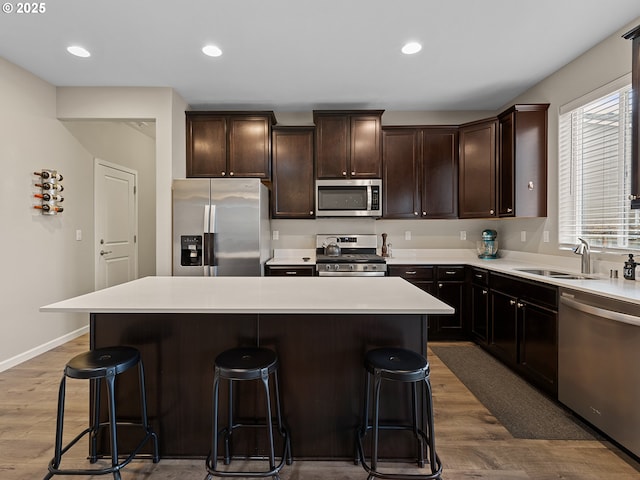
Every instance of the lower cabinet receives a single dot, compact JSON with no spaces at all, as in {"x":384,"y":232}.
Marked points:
{"x":288,"y":270}
{"x":524,"y":328}
{"x":447,"y":283}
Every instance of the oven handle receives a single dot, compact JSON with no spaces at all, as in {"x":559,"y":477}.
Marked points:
{"x":351,"y":274}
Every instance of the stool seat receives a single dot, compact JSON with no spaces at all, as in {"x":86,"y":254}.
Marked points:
{"x":97,"y":365}
{"x":102,"y":362}
{"x":397,"y":364}
{"x":247,"y":363}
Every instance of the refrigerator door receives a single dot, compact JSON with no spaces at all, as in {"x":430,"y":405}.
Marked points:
{"x":191,"y":202}
{"x":238,"y":226}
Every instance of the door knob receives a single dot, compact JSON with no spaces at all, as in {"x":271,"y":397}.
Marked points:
{"x":103,"y":252}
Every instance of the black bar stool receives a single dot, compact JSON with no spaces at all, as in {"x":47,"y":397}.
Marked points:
{"x":240,"y":364}
{"x":96,"y":365}
{"x":406,"y":366}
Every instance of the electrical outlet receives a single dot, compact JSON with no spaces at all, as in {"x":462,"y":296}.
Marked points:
{"x":276,"y":235}
{"x":407,"y":235}
{"x":545,"y":236}
{"x":523,"y":236}
{"x":463,"y":235}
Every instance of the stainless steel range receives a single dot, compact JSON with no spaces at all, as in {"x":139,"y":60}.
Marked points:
{"x":355,"y":256}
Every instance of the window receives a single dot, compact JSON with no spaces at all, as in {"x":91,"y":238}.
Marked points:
{"x":595,"y":171}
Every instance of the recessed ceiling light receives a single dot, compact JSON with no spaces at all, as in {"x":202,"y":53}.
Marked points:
{"x":78,"y":51}
{"x":411,"y":48}
{"x":211,"y":50}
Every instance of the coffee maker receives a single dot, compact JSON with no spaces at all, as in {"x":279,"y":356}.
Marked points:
{"x":488,"y":247}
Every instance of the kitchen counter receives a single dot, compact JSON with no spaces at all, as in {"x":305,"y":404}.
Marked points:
{"x":320,"y":328}
{"x":508,"y":262}
{"x":272,"y":295}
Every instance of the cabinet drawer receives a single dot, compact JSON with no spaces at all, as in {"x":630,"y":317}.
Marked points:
{"x":411,"y":272}
{"x":289,"y":271}
{"x":479,"y":276}
{"x":452,"y":272}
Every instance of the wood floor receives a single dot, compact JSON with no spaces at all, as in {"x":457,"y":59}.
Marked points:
{"x":471,"y":442}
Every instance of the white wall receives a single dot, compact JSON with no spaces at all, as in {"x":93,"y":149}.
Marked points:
{"x":41,"y":260}
{"x":119,"y":143}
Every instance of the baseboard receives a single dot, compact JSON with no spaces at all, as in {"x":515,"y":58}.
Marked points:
{"x":45,"y":347}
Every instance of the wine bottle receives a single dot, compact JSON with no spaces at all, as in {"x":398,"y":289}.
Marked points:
{"x":50,"y":186}
{"x":48,"y":208}
{"x":46,"y":175}
{"x":48,"y":197}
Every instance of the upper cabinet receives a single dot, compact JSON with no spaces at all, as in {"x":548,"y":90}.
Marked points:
{"x":229,"y":144}
{"x":634,"y":36}
{"x":293,"y":184}
{"x":420,"y":166}
{"x":477,"y":178}
{"x":522,"y":161}
{"x":348,"y":143}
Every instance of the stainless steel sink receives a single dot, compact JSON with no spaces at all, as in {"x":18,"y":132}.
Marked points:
{"x":556,"y":274}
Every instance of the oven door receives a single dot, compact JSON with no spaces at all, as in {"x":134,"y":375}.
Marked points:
{"x":348,"y":270}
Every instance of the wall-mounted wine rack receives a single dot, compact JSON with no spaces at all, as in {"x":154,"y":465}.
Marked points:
{"x":49,"y":195}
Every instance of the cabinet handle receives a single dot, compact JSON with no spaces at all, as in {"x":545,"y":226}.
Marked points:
{"x":231,"y":174}
{"x":344,"y":174}
{"x":415,"y":213}
{"x":509,"y":210}
{"x":353,"y":173}
{"x":512,"y":302}
{"x":478,"y":275}
{"x":291,"y":273}
{"x":223,"y":173}
{"x":491,"y":212}
{"x":410,"y":273}
{"x":449,"y":272}
{"x":484,"y":292}
{"x":310,"y":212}
{"x":520,"y":305}
{"x":424,"y":214}
{"x":440,"y":285}
{"x":633,"y":197}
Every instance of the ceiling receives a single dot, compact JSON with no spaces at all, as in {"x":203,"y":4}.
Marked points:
{"x":300,"y":55}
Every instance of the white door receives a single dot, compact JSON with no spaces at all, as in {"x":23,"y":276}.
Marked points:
{"x":116,"y":224}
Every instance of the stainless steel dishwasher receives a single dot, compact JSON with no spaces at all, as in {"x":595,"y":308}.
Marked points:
{"x":599,"y":363}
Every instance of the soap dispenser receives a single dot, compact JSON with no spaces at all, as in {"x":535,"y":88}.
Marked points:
{"x":629,"y":271}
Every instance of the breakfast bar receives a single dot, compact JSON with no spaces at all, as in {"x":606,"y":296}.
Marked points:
{"x":320,"y":328}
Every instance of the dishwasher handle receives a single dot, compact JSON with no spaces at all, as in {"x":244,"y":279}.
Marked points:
{"x":601,"y":312}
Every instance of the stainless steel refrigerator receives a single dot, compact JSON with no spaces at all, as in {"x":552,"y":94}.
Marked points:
{"x":220,"y":227}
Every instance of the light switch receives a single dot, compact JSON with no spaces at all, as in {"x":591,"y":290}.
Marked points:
{"x":545,"y":236}
{"x":78,"y":235}
{"x":276,"y":234}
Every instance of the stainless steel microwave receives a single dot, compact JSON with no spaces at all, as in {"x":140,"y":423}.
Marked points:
{"x":349,"y":198}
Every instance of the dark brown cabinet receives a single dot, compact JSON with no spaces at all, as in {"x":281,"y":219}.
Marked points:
{"x":420,"y":172}
{"x":348,"y":143}
{"x":229,"y":144}
{"x":522,"y":161}
{"x":288,"y":271}
{"x":445,"y":282}
{"x":477,"y":171}
{"x":524,"y":328}
{"x":634,"y":36}
{"x":293,"y":174}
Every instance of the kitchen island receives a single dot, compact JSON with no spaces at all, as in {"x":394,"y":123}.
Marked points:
{"x":319,"y":326}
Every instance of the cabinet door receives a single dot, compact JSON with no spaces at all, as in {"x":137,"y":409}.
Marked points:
{"x":439,"y":173}
{"x":480,"y":313}
{"x":249,"y":147}
{"x":293,"y":192}
{"x":332,"y":147}
{"x":477,"y":178}
{"x":450,"y":327}
{"x":504,"y":312}
{"x":365,"y":147}
{"x":506,"y":170}
{"x":206,"y":146}
{"x":539,"y":344}
{"x":400,"y":160}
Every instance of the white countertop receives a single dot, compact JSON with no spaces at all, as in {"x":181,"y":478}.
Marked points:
{"x":509,"y":262}
{"x":333,"y":295}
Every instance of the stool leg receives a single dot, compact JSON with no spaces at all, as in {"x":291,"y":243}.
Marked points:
{"x":113,"y":431}
{"x":414,"y":391}
{"x":268,"y":417}
{"x":229,"y":431}
{"x":281,"y":429}
{"x":60,"y":422}
{"x":377,"y":383}
{"x":94,"y":428}
{"x":144,"y":412}
{"x":431,"y":435}
{"x":213,"y":463}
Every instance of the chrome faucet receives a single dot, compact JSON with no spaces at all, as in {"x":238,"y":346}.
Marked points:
{"x":583,"y":249}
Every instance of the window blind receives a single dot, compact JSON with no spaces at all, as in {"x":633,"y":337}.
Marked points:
{"x":595,"y":173}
